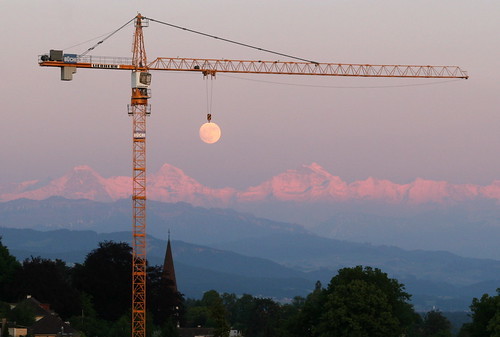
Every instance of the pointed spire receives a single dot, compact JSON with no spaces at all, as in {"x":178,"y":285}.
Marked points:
{"x":168,"y":274}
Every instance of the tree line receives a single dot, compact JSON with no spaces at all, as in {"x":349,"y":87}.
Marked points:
{"x":95,"y":297}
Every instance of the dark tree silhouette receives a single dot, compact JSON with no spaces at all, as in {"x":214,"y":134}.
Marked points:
{"x":106,"y":277}
{"x":8,"y":267}
{"x":435,"y":324}
{"x":49,"y":282}
{"x":166,"y":305}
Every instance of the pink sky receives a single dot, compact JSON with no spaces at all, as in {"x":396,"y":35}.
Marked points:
{"x":439,"y":130}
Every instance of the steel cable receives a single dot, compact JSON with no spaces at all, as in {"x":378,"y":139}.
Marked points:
{"x":231,"y":41}
{"x":107,"y":37}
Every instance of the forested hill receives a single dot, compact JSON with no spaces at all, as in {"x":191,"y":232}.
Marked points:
{"x":281,"y":266}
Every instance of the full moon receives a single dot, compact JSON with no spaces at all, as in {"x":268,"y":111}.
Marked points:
{"x":210,"y":133}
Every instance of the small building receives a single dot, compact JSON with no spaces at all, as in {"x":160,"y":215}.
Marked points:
{"x":47,"y":322}
{"x":16,"y":330}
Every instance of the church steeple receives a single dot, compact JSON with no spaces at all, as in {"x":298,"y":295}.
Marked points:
{"x":168,"y":274}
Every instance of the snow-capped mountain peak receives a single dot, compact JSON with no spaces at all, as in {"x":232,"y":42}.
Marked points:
{"x":307,"y":184}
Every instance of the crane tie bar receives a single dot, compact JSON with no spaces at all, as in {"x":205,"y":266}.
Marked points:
{"x":107,"y":37}
{"x":230,"y":41}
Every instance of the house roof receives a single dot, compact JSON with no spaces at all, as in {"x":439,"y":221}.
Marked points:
{"x":39,"y":309}
{"x":51,"y":324}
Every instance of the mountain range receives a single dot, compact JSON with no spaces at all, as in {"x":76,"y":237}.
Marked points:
{"x":315,"y":224}
{"x":431,"y":215}
{"x":308,"y":184}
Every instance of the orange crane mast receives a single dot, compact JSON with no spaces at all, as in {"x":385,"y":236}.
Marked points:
{"x":139,"y":109}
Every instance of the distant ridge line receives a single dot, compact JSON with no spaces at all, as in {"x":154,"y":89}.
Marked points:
{"x":307,"y":184}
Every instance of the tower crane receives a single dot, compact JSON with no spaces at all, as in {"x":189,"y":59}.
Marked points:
{"x":139,"y":109}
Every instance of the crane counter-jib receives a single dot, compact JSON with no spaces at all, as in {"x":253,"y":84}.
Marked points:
{"x":87,"y":65}
{"x":212,"y":66}
{"x":99,"y":62}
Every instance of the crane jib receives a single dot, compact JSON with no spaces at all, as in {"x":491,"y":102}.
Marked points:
{"x":272,"y":67}
{"x":57,"y":58}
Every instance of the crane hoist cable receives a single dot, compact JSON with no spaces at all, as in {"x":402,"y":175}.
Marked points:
{"x":209,"y":90}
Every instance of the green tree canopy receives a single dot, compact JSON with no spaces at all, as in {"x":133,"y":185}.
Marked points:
{"x":241,"y":312}
{"x":209,"y":312}
{"x":364,"y":302}
{"x":435,"y":324}
{"x":307,"y":321}
{"x":485,"y":317}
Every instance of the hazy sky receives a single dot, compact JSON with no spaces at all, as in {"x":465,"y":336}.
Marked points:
{"x":397,"y":129}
